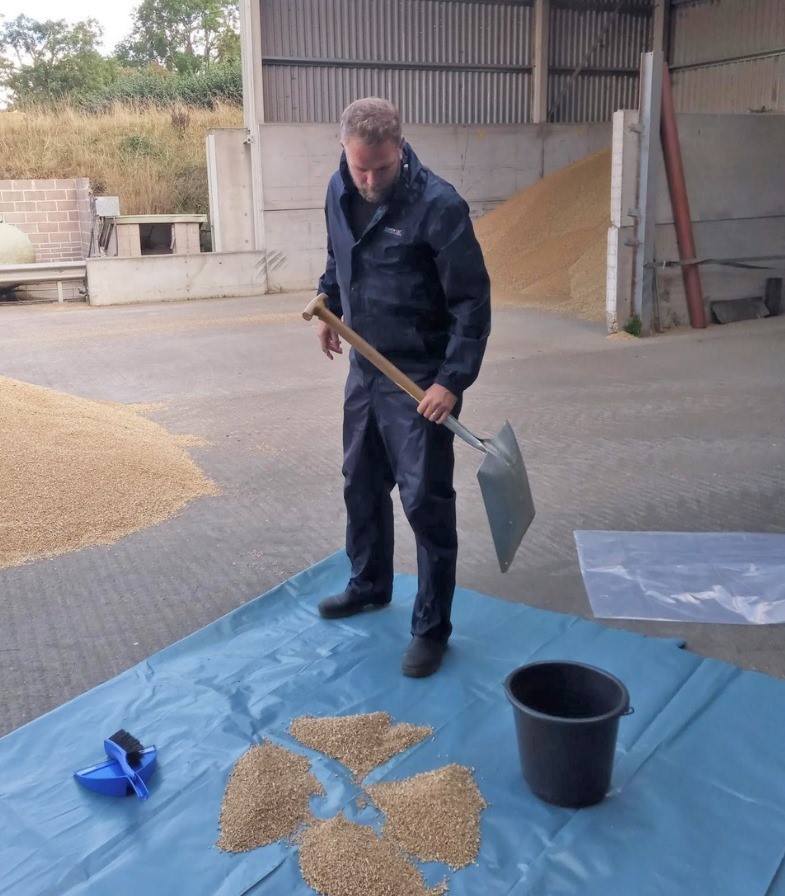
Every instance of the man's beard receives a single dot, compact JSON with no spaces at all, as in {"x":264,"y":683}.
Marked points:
{"x":376,"y":196}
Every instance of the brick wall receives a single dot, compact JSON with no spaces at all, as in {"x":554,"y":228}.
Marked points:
{"x":55,"y":215}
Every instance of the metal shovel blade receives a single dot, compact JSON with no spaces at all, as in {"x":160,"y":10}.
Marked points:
{"x":506,"y":494}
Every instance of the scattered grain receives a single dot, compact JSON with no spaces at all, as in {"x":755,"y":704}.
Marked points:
{"x":268,"y":449}
{"x":191,"y":441}
{"x":266,"y":798}
{"x":360,"y":742}
{"x":138,"y":407}
{"x":340,"y":858}
{"x":146,"y":407}
{"x":83,"y":473}
{"x":434,"y":816}
{"x":546,"y":246}
{"x":181,"y":325}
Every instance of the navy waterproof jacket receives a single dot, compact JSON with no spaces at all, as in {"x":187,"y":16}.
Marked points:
{"x":415,"y":284}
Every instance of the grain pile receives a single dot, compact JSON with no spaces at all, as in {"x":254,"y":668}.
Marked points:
{"x":546,"y":246}
{"x":340,"y":858}
{"x":79,"y":473}
{"x":360,"y":742}
{"x":266,"y":798}
{"x":434,"y":816}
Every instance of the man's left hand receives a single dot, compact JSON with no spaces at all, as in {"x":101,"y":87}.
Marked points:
{"x":437,"y":403}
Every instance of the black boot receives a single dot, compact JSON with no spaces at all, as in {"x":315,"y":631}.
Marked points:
{"x":423,"y":657}
{"x":347,"y":604}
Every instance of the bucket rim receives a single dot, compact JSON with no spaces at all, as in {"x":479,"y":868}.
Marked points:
{"x":622,"y":708}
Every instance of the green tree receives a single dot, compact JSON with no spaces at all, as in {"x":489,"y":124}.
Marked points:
{"x":183,"y":35}
{"x":42,"y":62}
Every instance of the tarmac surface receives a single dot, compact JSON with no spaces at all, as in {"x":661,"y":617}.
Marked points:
{"x":681,"y":432}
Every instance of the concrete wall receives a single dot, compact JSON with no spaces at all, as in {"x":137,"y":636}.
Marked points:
{"x":174,"y":278}
{"x":734,"y":173}
{"x":54,"y":213}
{"x":229,"y":178}
{"x":487,"y":165}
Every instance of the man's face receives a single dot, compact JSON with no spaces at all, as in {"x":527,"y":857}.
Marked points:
{"x":374,"y":169}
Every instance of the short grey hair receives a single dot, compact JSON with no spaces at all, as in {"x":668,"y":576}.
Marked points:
{"x":372,"y":120}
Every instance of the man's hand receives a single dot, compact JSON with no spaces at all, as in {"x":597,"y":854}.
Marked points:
{"x":328,"y":340}
{"x":437,"y":403}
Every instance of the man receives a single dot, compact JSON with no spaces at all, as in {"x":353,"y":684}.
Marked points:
{"x":405,"y":271}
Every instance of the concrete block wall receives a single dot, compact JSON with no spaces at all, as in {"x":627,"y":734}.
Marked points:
{"x":486,"y":165}
{"x":54,"y":213}
{"x":733,"y":171}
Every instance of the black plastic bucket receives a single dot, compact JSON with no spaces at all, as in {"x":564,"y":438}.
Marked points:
{"x":567,"y":719}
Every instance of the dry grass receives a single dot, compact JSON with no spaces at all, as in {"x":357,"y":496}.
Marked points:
{"x":154,"y":160}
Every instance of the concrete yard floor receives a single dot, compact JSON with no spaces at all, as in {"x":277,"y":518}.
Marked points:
{"x":685,"y":431}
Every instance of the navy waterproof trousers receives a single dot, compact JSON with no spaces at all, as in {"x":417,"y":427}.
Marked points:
{"x":386,"y":442}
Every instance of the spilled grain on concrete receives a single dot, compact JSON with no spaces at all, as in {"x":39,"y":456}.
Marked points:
{"x":79,"y":473}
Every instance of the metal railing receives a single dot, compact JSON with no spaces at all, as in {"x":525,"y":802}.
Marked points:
{"x":43,"y":272}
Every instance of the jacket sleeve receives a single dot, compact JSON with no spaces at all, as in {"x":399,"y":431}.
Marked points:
{"x":328,"y":282}
{"x":466,"y":285}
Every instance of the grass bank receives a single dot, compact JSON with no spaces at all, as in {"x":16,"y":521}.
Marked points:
{"x":153,"y":159}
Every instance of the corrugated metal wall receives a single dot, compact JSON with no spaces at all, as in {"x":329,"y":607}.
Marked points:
{"x":728,"y":55}
{"x":449,"y":61}
{"x":458,"y":62}
{"x":595,"y":58}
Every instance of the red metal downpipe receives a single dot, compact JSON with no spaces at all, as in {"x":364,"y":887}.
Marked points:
{"x":674,"y":168}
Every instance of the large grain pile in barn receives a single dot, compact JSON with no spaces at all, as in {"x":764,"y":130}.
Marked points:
{"x":79,"y":473}
{"x":546,"y":245}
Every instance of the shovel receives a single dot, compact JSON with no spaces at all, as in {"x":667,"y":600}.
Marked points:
{"x":502,"y":475}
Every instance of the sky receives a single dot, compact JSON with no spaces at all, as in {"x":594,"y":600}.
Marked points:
{"x":113,"y":15}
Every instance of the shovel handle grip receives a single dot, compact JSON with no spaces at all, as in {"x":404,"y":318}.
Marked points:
{"x":318,"y":308}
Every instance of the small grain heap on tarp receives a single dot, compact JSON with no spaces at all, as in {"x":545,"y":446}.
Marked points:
{"x":266,"y":798}
{"x":435,"y":815}
{"x":546,"y":245}
{"x":79,"y":473}
{"x":340,"y":858}
{"x":431,"y":817}
{"x":360,"y":742}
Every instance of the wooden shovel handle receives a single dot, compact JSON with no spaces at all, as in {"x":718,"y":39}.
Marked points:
{"x":317,"y":308}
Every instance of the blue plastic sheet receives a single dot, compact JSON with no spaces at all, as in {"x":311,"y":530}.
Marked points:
{"x":697,"y":804}
{"x":736,"y":577}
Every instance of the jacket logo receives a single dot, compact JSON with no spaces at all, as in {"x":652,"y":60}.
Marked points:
{"x":393,"y":231}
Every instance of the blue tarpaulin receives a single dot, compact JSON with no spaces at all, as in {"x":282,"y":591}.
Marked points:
{"x":697,"y":803}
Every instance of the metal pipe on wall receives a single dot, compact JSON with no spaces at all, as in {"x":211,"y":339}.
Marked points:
{"x":677,"y":187}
